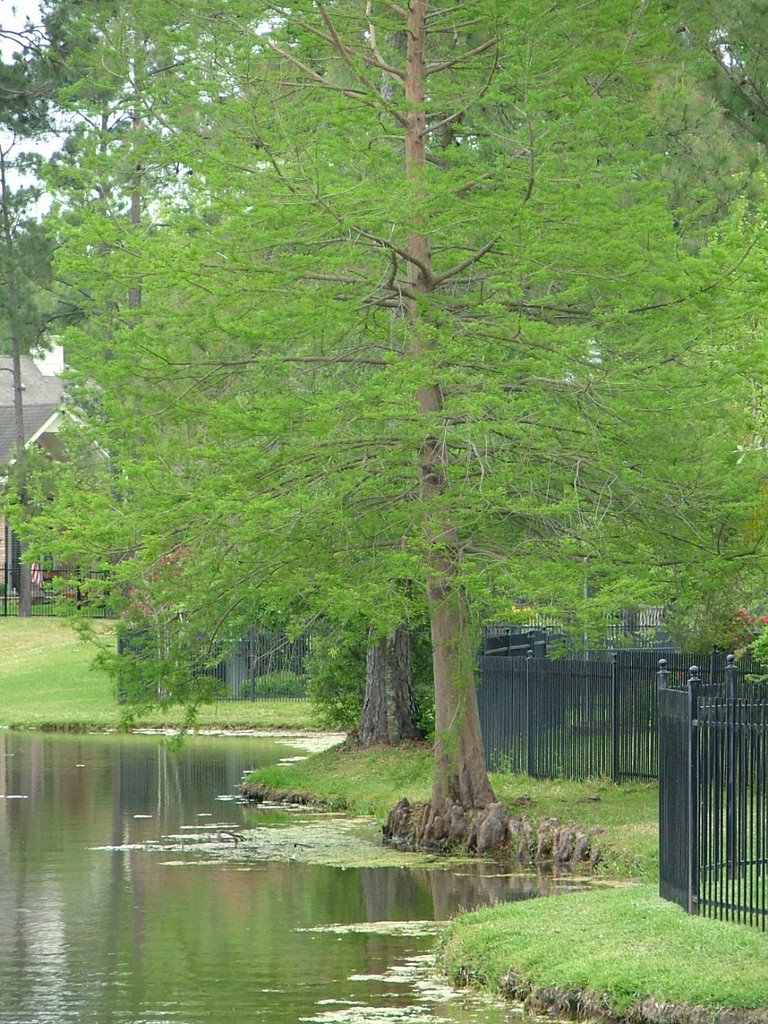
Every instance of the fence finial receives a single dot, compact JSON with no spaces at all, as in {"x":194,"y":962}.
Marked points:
{"x":663,"y":675}
{"x":693,"y":674}
{"x":730,"y":676}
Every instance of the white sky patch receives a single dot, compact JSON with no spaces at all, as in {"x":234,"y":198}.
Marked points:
{"x":14,"y":15}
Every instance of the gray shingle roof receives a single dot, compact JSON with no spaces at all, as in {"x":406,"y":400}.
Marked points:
{"x":41,"y":398}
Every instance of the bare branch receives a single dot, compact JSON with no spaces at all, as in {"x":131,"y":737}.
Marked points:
{"x":362,"y":96}
{"x":346,"y":52}
{"x":396,"y":8}
{"x":472,"y":184}
{"x":457,"y":60}
{"x":379,"y":60}
{"x":459,"y":267}
{"x":444,"y":121}
{"x":345,"y":90}
{"x":333,"y":278}
{"x":328,"y":360}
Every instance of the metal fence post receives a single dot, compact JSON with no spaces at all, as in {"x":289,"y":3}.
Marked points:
{"x":663,"y":675}
{"x":694,"y":684}
{"x":528,"y":713}
{"x":614,"y":719}
{"x":730,"y":760}
{"x":713,"y":664}
{"x":730,"y":676}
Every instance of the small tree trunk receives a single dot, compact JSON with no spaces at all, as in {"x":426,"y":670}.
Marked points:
{"x":25,"y":586}
{"x":389,"y":708}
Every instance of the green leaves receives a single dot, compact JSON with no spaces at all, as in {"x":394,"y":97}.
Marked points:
{"x":261,"y":402}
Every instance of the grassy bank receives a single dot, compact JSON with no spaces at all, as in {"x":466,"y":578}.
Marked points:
{"x":47,"y":681}
{"x":625,"y":942}
{"x":621,"y":940}
{"x":371,"y":781}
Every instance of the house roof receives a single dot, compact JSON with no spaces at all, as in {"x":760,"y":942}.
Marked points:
{"x":41,"y":400}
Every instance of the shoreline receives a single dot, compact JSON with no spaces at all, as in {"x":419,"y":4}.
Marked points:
{"x":621,"y":955}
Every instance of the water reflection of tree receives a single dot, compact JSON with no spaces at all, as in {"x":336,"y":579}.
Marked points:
{"x":391,"y":893}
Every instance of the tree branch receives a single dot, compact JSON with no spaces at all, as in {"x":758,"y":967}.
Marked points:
{"x":327,"y":360}
{"x":439,"y":279}
{"x":457,"y":60}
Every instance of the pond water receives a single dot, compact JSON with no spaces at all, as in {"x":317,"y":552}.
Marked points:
{"x":127,"y":896}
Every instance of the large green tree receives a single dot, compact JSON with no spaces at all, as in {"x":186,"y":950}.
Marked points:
{"x":26,"y":304}
{"x":419,"y":323}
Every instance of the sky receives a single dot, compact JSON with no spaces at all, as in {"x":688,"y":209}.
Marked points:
{"x":13,"y":16}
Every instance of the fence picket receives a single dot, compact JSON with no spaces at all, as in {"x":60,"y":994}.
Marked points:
{"x":53,"y":591}
{"x":723,"y":841}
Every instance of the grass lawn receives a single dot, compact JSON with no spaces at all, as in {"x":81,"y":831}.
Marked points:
{"x":623,"y":941}
{"x":47,"y":681}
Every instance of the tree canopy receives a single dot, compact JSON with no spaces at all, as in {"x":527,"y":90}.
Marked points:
{"x":399,"y":311}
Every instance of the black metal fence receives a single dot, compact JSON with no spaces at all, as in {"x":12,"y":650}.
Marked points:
{"x":713,"y":795}
{"x":56,"y":591}
{"x":580,"y":717}
{"x":635,"y":629}
{"x":262,"y":665}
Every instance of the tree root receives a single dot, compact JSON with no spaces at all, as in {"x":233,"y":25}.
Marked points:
{"x":491,"y":832}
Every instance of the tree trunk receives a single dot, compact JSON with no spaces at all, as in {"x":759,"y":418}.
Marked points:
{"x":18,"y":470}
{"x":460,"y":775}
{"x":389,"y":708}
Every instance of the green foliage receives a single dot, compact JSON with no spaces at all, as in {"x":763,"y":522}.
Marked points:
{"x":281,"y":684}
{"x":730,"y":36}
{"x":336,"y":671}
{"x":260,"y":397}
